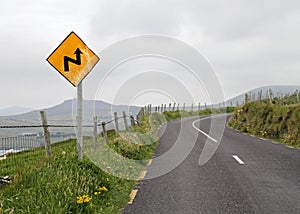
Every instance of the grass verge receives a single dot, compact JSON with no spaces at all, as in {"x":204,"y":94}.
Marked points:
{"x":100,"y":183}
{"x":275,"y":122}
{"x":63,"y":184}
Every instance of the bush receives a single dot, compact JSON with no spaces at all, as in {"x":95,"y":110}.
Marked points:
{"x":271,"y":121}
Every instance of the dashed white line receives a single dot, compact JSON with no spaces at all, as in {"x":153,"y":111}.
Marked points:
{"x":238,"y":159}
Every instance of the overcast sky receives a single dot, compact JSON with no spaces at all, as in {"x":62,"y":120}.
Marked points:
{"x":248,"y":43}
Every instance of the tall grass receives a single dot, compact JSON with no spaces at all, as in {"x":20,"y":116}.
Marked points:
{"x":63,"y":184}
{"x":270,"y":121}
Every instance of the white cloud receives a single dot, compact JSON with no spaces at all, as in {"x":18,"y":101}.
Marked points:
{"x":249,"y":43}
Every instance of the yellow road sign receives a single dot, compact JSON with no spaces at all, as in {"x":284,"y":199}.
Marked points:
{"x":73,"y":59}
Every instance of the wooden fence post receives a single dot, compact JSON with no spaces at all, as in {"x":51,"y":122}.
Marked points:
{"x":125,"y":120}
{"x":95,"y":132}
{"x":246,"y":98}
{"x":116,"y":122}
{"x":260,"y":95}
{"x":132,"y":121}
{"x":46,"y":134}
{"x":104,"y":132}
{"x":271,"y":96}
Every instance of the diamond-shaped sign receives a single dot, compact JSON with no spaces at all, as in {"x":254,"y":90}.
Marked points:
{"x":73,"y":59}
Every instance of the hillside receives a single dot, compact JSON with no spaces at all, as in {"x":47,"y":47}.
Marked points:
{"x":63,"y":114}
{"x":278,"y":122}
{"x":66,"y":108}
{"x":278,"y":90}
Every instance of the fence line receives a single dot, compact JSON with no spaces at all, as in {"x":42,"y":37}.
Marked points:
{"x":11,"y":146}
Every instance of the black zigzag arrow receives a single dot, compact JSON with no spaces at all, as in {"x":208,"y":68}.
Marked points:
{"x":76,"y":61}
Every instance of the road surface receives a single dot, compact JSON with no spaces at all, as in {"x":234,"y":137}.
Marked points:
{"x":245,"y":175}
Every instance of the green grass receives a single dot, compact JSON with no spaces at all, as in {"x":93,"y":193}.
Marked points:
{"x":171,"y":115}
{"x":55,"y":185}
{"x":105,"y":176}
{"x":276,"y":122}
{"x":52,"y":185}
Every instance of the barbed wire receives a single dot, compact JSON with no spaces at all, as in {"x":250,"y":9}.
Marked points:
{"x":58,"y":126}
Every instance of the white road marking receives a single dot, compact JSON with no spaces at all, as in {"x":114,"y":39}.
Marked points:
{"x":202,"y":132}
{"x":238,"y":159}
{"x":290,"y":147}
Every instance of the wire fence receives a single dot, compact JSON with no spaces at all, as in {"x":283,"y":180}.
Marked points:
{"x":15,"y":151}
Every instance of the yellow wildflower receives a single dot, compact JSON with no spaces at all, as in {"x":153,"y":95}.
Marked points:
{"x":103,"y":189}
{"x":83,"y":199}
{"x":86,"y":198}
{"x":79,"y":200}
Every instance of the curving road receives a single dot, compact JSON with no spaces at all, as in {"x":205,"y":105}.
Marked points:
{"x":245,"y":175}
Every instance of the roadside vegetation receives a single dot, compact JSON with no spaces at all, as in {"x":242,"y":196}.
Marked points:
{"x":100,"y":183}
{"x":63,"y":184}
{"x":279,"y":120}
{"x":171,"y":115}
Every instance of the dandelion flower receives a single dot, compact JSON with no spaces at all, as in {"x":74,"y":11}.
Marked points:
{"x":79,"y":200}
{"x":104,"y":189}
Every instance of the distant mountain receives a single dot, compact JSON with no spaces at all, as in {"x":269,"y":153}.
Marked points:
{"x":14,"y":110}
{"x":64,"y":111}
{"x":65,"y":114}
{"x":277,"y":90}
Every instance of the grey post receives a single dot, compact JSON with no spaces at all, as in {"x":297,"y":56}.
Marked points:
{"x":271,"y":96}
{"x":95,"y":131}
{"x":125,"y":120}
{"x":104,"y":131}
{"x":174,"y":104}
{"x":162,"y":107}
{"x":183,"y":107}
{"x":116,"y":122}
{"x":79,"y":120}
{"x":46,"y":134}
{"x":170,"y":104}
{"x":192,"y":107}
{"x":198,"y":106}
{"x":132,"y":121}
{"x":178,"y":107}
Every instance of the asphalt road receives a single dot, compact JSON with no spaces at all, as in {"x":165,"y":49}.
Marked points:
{"x":245,"y":175}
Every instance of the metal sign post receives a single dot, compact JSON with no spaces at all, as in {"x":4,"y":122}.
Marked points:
{"x":74,"y":60}
{"x":79,"y":120}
